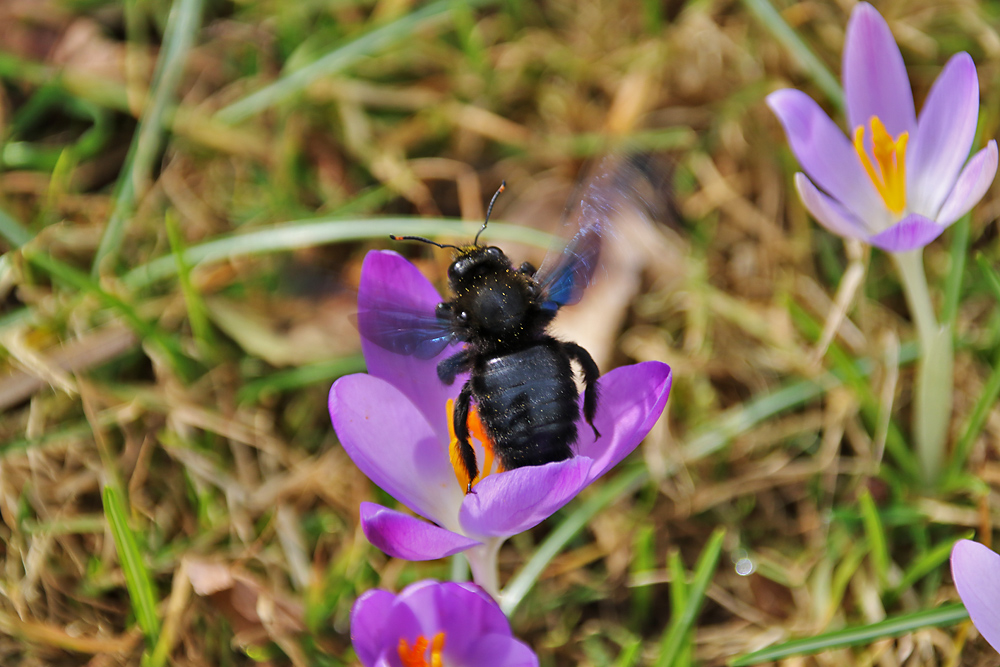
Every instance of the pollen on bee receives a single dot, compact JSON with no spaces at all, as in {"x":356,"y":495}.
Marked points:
{"x":476,"y":431}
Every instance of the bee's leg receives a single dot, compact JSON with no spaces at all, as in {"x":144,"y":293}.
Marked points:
{"x":590,"y":375}
{"x":527,"y":268}
{"x":449,"y":368}
{"x":461,"y":424}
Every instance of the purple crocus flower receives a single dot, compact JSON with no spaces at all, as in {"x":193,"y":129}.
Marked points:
{"x":431,"y":624}
{"x":976,"y":571}
{"x":393,"y":424}
{"x":899,"y":181}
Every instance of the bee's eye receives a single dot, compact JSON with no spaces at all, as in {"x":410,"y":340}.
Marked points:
{"x":456,"y":269}
{"x":462,"y":317}
{"x":495,"y":251}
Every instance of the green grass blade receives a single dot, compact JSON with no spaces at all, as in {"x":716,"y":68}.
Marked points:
{"x":625,"y":483}
{"x":643,"y":560}
{"x":82,"y":282}
{"x":987,"y":398}
{"x":876,"y":536}
{"x":12,"y":230}
{"x":992,"y":278}
{"x":927,"y":563}
{"x":629,"y":657}
{"x":51,"y":438}
{"x":652,"y":16}
{"x":679,"y":597}
{"x":735,"y":421}
{"x":303,"y":376}
{"x":678,"y":581}
{"x":680,"y":626}
{"x":977,"y":419}
{"x":853,"y":375}
{"x":182,"y":27}
{"x":788,"y":38}
{"x":365,"y":46}
{"x":309,"y":233}
{"x":201,"y":328}
{"x":738,"y":420}
{"x":844,"y":572}
{"x":866,"y":634}
{"x":137,"y":579}
{"x":953,"y":284}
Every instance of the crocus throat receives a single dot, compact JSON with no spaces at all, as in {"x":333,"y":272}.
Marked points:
{"x":477,"y":431}
{"x":416,"y":655}
{"x":890,"y":155}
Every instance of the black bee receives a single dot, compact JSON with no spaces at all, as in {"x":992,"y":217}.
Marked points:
{"x":521,"y":379}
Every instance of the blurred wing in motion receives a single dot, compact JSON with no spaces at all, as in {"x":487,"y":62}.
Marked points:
{"x":612,"y":192}
{"x":397,"y":313}
{"x":402,"y":331}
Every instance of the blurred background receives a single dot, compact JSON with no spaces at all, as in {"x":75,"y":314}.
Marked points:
{"x":187,"y":190}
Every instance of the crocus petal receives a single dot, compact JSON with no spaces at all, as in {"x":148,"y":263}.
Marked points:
{"x":875,"y":81}
{"x":972,"y":184}
{"x":499,"y":651}
{"x":912,"y":232}
{"x":511,"y":502}
{"x":368,"y":617}
{"x":824,"y":152}
{"x":392,"y":443}
{"x":402,"y":622}
{"x":976,"y":570}
{"x":632,"y":398}
{"x":465,"y":616}
{"x":387,"y":278}
{"x":403,"y":536}
{"x":945,"y":130}
{"x":830,"y":213}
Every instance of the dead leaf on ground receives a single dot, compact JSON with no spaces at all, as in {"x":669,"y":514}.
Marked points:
{"x":256,"y":612}
{"x":292,"y":332}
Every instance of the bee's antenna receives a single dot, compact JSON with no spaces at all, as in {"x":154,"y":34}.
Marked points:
{"x":422,"y":240}
{"x":503,"y":186}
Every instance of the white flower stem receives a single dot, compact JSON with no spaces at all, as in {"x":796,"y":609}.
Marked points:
{"x":485,"y":566}
{"x":459,"y":568}
{"x":932,"y":395}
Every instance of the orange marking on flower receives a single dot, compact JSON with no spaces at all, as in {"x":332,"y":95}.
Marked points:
{"x":478,"y":431}
{"x":890,"y":154}
{"x":416,"y":655}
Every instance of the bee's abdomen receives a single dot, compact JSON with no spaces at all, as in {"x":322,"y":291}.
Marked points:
{"x":528,"y":402}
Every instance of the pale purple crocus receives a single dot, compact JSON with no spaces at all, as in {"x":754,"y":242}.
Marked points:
{"x":898,"y":180}
{"x":393,"y":424}
{"x":976,"y":571}
{"x":432,"y":624}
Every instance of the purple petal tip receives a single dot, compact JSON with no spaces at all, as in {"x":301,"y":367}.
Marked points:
{"x":975,"y":569}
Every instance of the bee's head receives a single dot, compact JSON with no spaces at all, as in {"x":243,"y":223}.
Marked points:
{"x":476,"y":260}
{"x":473,"y":262}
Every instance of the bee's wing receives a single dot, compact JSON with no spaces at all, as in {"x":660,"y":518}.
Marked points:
{"x":403,"y":328}
{"x":563,"y":276}
{"x":611,"y":192}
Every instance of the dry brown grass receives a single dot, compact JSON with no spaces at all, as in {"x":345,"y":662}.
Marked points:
{"x":245,"y":507}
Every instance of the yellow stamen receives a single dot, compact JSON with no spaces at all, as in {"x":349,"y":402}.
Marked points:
{"x":891,"y":158}
{"x":415,"y":656}
{"x":477,"y":431}
{"x":437,"y":648}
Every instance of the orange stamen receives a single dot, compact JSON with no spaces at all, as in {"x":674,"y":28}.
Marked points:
{"x":478,"y":431}
{"x":415,"y":656}
{"x":890,"y":154}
